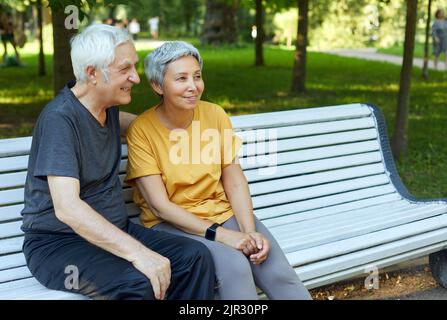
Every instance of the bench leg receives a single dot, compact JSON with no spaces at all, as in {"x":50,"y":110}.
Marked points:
{"x":438,"y":267}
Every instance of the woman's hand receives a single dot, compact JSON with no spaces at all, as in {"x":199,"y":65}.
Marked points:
{"x":238,"y":240}
{"x":263,"y":247}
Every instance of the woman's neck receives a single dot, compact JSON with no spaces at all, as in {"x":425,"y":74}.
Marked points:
{"x":174,"y":118}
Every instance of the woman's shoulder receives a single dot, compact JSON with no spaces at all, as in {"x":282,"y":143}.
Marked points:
{"x":211,"y":108}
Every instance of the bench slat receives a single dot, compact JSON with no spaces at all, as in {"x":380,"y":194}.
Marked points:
{"x":362,"y":242}
{"x":16,"y":179}
{"x":252,"y":149}
{"x":30,"y":288}
{"x":14,"y":274}
{"x":10,"y":212}
{"x":301,"y":116}
{"x":11,"y":245}
{"x":334,"y":209}
{"x":324,"y":202}
{"x":314,"y":179}
{"x":365,"y":268}
{"x":312,"y":166}
{"x":12,"y":261}
{"x":318,"y":191}
{"x":249,"y":136}
{"x":13,"y":163}
{"x":364,"y":216}
{"x":404,"y":247}
{"x":296,"y":241}
{"x":14,"y":147}
{"x":10,"y":229}
{"x":286,"y":157}
{"x":339,"y":215}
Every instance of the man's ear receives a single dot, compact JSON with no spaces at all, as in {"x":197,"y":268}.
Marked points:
{"x":157,"y":88}
{"x":91,"y":74}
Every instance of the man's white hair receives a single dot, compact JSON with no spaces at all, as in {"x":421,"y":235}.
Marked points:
{"x":95,"y":47}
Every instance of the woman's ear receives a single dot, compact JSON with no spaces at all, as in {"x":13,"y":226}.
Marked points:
{"x":157,"y":88}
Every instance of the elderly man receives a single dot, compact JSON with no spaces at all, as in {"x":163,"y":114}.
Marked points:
{"x":74,"y":218}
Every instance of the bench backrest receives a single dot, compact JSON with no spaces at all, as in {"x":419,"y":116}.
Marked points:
{"x":320,"y":157}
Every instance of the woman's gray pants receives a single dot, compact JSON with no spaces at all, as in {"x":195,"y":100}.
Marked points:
{"x":237,"y":277}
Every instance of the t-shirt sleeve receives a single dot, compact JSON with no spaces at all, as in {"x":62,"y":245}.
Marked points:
{"x":230,"y":143}
{"x":141,"y":158}
{"x":58,"y":147}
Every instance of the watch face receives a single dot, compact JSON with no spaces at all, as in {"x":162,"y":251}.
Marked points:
{"x":210,"y":233}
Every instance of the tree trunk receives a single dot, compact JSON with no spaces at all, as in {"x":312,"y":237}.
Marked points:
{"x":299,"y":68}
{"x":220,"y":22}
{"x":427,"y":39}
{"x":41,"y":70}
{"x":259,"y":52}
{"x":62,"y":71}
{"x":400,"y":140}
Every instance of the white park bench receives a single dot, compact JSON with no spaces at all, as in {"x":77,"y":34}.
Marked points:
{"x":334,"y":202}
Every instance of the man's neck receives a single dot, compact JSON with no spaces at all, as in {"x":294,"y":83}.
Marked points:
{"x":90,"y":101}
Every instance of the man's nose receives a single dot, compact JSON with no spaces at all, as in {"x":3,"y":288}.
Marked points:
{"x":134,"y":77}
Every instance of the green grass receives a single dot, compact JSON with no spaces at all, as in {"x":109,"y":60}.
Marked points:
{"x":232,"y":81}
{"x":398,"y":50}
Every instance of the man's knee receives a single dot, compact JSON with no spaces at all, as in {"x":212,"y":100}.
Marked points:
{"x":132,"y":285}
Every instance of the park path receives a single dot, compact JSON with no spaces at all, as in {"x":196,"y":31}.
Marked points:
{"x":372,"y":54}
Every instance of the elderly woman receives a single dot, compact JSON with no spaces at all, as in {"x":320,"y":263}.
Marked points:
{"x":439,"y":34}
{"x":189,"y":182}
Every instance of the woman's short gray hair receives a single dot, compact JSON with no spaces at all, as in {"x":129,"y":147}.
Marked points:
{"x":156,"y":63}
{"x":95,"y":47}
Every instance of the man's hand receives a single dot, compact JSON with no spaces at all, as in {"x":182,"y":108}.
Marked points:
{"x":263,"y":245}
{"x":157,"y":268}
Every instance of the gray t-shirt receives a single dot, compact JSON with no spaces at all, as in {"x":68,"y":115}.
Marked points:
{"x":68,"y":141}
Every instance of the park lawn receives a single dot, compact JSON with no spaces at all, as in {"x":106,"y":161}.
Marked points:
{"x":398,"y":50}
{"x":232,"y":81}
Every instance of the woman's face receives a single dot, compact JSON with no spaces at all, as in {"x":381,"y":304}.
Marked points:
{"x":183,"y":84}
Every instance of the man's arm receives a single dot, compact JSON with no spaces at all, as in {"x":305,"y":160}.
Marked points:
{"x":90,"y":225}
{"x":125,"y":119}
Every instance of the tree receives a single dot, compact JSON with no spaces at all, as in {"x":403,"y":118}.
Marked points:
{"x":41,"y":70}
{"x":259,"y":41}
{"x":427,"y":39}
{"x":220,"y":22}
{"x":62,"y":68}
{"x":299,"y":68}
{"x":400,"y":140}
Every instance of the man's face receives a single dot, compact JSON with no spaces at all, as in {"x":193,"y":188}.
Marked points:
{"x":122,"y":76}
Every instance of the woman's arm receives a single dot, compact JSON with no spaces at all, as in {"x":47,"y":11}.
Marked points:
{"x":154,"y":193}
{"x":236,"y":188}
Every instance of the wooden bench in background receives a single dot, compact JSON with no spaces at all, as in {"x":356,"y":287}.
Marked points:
{"x":333,"y":201}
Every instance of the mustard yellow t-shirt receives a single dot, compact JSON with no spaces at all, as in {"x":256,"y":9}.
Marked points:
{"x":190,"y":161}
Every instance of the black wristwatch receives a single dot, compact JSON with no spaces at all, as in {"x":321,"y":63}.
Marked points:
{"x":210,"y":233}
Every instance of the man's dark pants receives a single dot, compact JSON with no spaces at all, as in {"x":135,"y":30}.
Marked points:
{"x":56,"y":259}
